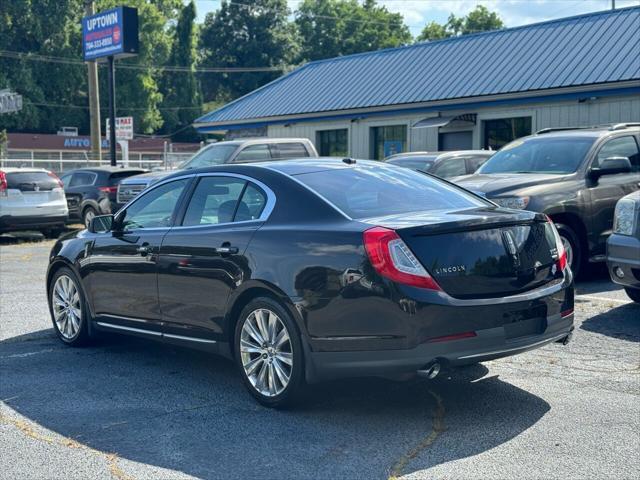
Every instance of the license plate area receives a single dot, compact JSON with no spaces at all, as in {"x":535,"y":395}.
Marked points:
{"x":524,"y":323}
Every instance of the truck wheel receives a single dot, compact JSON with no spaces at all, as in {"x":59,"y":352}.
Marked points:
{"x":572,"y":246}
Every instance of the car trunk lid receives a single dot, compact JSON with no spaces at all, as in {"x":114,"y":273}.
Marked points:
{"x":481,"y":253}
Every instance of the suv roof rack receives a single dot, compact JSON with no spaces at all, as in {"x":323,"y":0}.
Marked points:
{"x":609,"y":126}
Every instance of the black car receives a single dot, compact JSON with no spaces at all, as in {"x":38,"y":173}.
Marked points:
{"x":443,"y":164}
{"x":306,"y":270}
{"x":92,"y":191}
{"x":575,"y":176}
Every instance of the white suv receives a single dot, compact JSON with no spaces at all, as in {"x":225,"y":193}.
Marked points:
{"x":32,"y":199}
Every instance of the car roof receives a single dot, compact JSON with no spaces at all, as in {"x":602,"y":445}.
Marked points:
{"x":594,"y":132}
{"x":246,"y":141}
{"x":22,"y":169}
{"x":440,"y":155}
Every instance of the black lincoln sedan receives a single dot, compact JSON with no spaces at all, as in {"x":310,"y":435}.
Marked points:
{"x":314,"y":269}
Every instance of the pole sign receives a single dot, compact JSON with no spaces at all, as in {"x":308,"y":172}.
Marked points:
{"x":110,"y":33}
{"x":124,"y":128}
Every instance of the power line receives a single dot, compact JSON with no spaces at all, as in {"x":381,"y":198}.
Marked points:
{"x":36,"y":57}
{"x":85,"y":107}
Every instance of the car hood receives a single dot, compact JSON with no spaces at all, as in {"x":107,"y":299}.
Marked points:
{"x":498,"y":183}
{"x":146,"y":178}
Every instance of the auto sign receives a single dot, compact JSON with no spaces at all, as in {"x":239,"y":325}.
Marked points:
{"x":110,"y":33}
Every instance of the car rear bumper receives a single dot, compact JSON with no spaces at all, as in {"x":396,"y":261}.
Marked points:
{"x":623,"y":257}
{"x":488,"y":344}
{"x":10,"y":223}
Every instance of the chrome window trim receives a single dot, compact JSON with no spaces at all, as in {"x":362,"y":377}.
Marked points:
{"x":264,"y":216}
{"x":308,"y":188}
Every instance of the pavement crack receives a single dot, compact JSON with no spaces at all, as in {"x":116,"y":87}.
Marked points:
{"x":437,"y":428}
{"x":27,"y":429}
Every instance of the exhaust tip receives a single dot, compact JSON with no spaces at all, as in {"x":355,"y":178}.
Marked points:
{"x":430,"y":371}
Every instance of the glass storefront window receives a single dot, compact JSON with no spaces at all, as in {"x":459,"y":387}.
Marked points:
{"x":387,"y":141}
{"x":333,"y":143}
{"x":501,"y":131}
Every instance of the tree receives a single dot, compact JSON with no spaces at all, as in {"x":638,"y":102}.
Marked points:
{"x":181,"y":90}
{"x":251,"y":34}
{"x":341,"y":27}
{"x":479,"y":19}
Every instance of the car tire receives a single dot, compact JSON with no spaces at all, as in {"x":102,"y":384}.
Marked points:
{"x":68,"y":308}
{"x":633,"y":294}
{"x":88,"y":214}
{"x":52,"y":233}
{"x":572,"y":245}
{"x":268,"y":352}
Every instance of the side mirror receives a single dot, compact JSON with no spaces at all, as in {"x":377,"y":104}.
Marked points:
{"x":611,"y":165}
{"x":101,"y":224}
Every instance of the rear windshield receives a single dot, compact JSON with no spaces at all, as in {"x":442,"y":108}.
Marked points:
{"x":31,"y":181}
{"x":540,"y":155}
{"x":209,"y":156}
{"x":419,"y":163}
{"x":372,"y":191}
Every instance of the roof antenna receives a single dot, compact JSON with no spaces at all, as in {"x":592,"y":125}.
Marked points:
{"x":349,"y":161}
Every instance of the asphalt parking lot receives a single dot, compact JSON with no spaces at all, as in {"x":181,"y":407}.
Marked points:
{"x":131,"y":409}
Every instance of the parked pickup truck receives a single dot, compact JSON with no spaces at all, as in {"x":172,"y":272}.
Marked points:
{"x":574,"y":175}
{"x":234,"y":151}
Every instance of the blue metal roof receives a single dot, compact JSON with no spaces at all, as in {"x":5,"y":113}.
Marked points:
{"x":591,"y":49}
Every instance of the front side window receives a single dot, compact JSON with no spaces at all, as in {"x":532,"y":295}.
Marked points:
{"x":620,"y":147}
{"x":154,"y":209}
{"x":291,"y":150}
{"x":387,"y":141}
{"x":499,"y":132}
{"x":209,"y":156}
{"x":541,"y":154}
{"x":219,"y":200}
{"x":254,"y":153}
{"x":368,"y":191}
{"x":333,"y":143}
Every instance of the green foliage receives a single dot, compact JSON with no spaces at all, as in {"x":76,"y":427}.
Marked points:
{"x":479,"y":19}
{"x":331,"y":28}
{"x":182,"y":97}
{"x":249,"y":34}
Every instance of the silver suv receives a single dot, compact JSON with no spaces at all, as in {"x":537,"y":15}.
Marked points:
{"x":234,"y":151}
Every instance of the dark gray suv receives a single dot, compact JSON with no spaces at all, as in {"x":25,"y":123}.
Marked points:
{"x":575,"y":176}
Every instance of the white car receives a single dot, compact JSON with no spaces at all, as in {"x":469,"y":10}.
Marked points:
{"x":32,"y":199}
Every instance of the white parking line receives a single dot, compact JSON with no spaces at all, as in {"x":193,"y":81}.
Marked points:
{"x":27,"y":354}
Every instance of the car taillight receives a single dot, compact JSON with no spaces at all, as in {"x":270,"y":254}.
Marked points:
{"x":391,"y":258}
{"x":3,"y":184}
{"x":55,"y":177}
{"x":561,"y":260}
{"x":108,"y":189}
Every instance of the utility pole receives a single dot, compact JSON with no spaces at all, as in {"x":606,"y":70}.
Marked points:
{"x":94,"y":97}
{"x":112,"y":109}
{"x":613,"y":4}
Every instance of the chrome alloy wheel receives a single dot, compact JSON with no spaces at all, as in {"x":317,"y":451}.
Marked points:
{"x":67,"y":311}
{"x":266,"y":352}
{"x":88,"y":216}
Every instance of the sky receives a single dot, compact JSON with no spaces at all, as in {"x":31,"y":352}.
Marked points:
{"x":417,"y":13}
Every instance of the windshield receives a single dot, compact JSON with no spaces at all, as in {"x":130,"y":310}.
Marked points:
{"x":540,"y":155}
{"x":209,"y":156}
{"x":372,"y":191}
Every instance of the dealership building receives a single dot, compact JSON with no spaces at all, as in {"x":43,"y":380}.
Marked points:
{"x":474,"y":91}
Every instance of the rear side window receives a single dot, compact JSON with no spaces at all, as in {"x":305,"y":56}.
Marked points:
{"x":417,"y":163}
{"x":373,"y":191}
{"x":620,"y":147}
{"x":292,"y":150}
{"x":31,"y":181}
{"x":254,"y":153}
{"x":474,"y":163}
{"x":214,"y":201}
{"x":82,"y":178}
{"x":450,"y":167}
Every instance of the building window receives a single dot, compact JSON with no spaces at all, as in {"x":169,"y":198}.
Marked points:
{"x":387,"y":141}
{"x":333,"y":143}
{"x":501,"y":131}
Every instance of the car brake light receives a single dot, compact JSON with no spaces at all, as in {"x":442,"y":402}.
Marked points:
{"x":561,"y":259}
{"x":391,"y":258}
{"x":108,"y":189}
{"x":55,"y":177}
{"x":3,"y":184}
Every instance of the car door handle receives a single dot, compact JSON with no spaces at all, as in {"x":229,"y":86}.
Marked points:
{"x":226,"y":249}
{"x":144,"y":249}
